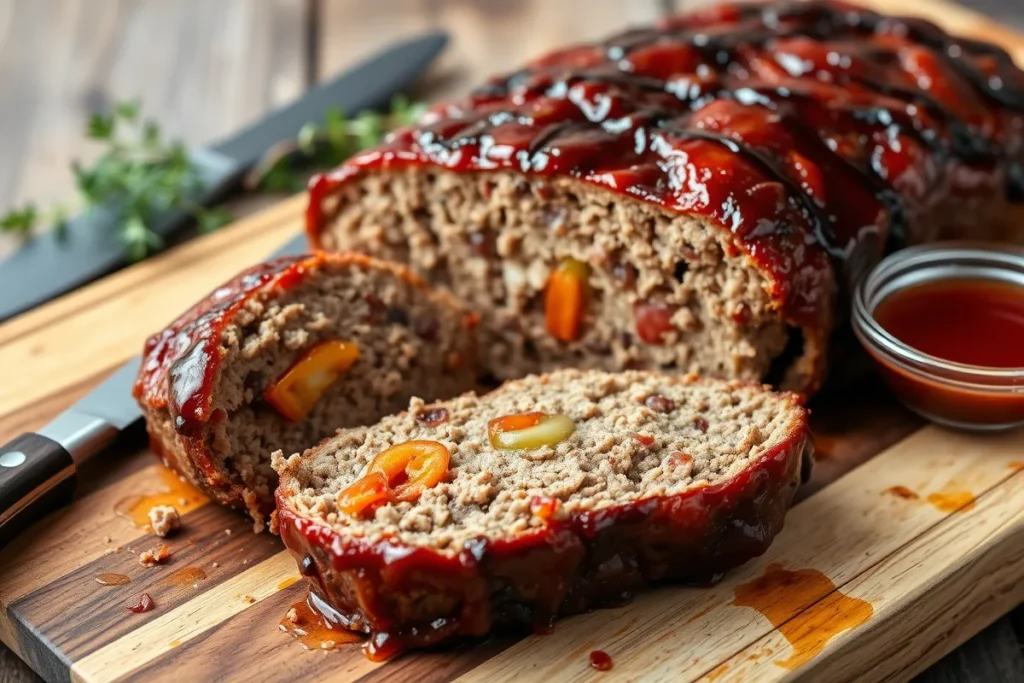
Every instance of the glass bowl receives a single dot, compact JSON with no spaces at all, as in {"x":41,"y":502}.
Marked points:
{"x":957,"y":395}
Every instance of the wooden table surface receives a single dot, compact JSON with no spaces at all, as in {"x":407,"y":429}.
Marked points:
{"x":204,"y":69}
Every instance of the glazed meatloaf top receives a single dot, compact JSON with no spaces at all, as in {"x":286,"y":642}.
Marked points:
{"x":814,"y":133}
{"x":636,"y":436}
{"x":180,"y":364}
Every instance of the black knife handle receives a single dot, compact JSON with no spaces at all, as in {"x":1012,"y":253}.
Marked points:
{"x":37,"y":475}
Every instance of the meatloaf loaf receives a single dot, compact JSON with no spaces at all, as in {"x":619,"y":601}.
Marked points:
{"x":697,"y":195}
{"x":551,"y":495}
{"x":285,"y":353}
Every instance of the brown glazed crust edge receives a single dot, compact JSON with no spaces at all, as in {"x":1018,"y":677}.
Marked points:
{"x":406,"y":597}
{"x":178,"y":409}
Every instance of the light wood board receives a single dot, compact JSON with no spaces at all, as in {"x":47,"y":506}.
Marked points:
{"x":863,"y":584}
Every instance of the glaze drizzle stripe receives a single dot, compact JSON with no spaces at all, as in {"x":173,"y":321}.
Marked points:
{"x":963,"y":141}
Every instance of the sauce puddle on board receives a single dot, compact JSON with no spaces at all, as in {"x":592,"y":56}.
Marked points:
{"x":312,"y":631}
{"x":170,"y":491}
{"x":187,"y":576}
{"x":952,"y":501}
{"x":806,"y":608}
{"x":112,"y":579}
{"x":902,"y":492}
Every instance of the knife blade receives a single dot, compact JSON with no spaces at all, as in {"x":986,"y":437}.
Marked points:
{"x":37,"y":469}
{"x":49,"y":266}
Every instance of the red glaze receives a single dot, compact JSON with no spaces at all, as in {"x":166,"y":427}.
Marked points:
{"x":600,"y":660}
{"x":574,"y":562}
{"x":976,"y":322}
{"x":816,"y":133}
{"x":180,"y":365}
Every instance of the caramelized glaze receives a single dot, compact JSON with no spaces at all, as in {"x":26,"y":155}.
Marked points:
{"x":359,"y":584}
{"x":817,"y":133}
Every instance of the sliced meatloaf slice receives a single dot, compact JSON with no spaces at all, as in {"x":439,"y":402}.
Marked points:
{"x":551,"y":495}
{"x":696,"y":195}
{"x":287,"y":352}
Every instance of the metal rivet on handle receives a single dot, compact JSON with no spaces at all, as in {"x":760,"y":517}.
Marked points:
{"x":12,"y":459}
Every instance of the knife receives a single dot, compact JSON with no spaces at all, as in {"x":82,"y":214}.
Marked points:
{"x":48,"y":266}
{"x":37,"y":469}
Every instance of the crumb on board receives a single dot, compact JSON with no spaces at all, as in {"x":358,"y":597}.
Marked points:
{"x":108,"y":539}
{"x":227,"y":531}
{"x":164,"y":519}
{"x":292,"y":615}
{"x":215,"y":565}
{"x":154,"y":556}
{"x":248,"y":599}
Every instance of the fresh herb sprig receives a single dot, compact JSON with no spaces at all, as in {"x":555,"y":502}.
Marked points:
{"x":319,"y":146}
{"x":140,"y":174}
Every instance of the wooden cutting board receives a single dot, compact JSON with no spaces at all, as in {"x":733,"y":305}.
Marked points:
{"x":908,"y":540}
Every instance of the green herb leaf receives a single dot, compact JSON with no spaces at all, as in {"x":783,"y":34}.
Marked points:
{"x":368,"y":129}
{"x":138,"y":237}
{"x":209,"y":220}
{"x":100,"y":127}
{"x":128,"y":110}
{"x":21,"y":221}
{"x":307,"y":138}
{"x":139,"y":174}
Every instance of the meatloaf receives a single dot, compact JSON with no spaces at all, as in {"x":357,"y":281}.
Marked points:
{"x":551,"y":495}
{"x":285,"y":353}
{"x":698,"y":195}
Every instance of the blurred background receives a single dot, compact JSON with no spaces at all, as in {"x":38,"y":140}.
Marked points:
{"x":203,"y":69}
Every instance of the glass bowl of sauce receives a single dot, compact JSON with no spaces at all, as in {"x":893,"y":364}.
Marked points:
{"x":945,"y":324}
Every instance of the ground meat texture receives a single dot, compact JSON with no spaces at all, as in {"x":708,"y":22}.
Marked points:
{"x":633,"y":494}
{"x":164,"y":519}
{"x":203,"y":380}
{"x":676,"y":264}
{"x":727,"y":176}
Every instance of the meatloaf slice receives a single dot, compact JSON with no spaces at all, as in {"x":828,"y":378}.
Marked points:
{"x":287,"y":352}
{"x":695,"y":195}
{"x":551,"y":495}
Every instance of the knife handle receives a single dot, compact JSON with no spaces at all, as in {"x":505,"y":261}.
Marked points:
{"x":37,"y":475}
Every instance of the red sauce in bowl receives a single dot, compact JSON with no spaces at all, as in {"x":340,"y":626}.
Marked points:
{"x":959,"y":356}
{"x":969,"y":321}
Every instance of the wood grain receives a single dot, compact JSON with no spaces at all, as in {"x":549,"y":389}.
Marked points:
{"x":866,"y":527}
{"x":845,"y":531}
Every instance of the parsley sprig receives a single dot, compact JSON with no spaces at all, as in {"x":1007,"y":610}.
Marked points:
{"x":140,"y":174}
{"x":327,"y":145}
